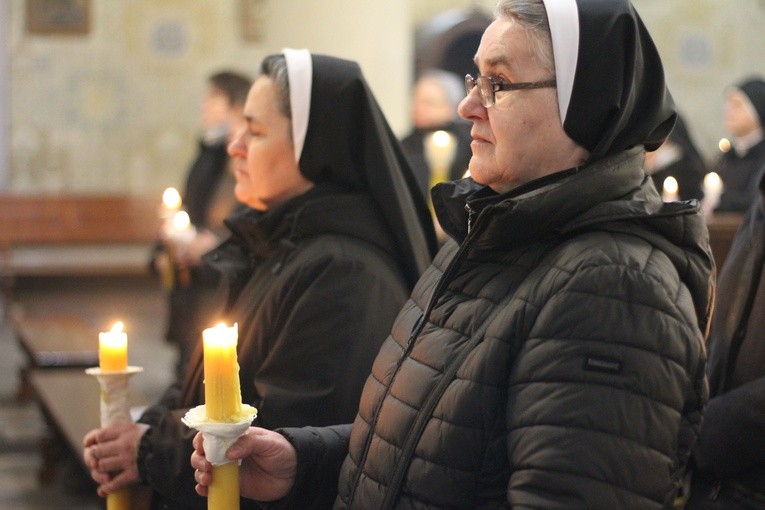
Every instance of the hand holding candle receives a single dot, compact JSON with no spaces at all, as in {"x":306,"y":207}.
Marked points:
{"x":223,"y":417}
{"x":113,"y":374}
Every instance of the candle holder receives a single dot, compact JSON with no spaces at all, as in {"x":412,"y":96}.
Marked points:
{"x":115,"y":408}
{"x":217,"y":437}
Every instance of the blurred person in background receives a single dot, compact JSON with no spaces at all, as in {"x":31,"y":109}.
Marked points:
{"x":207,"y":197}
{"x":739,"y":166}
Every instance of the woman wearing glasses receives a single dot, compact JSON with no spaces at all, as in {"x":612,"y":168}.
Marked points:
{"x":552,"y":355}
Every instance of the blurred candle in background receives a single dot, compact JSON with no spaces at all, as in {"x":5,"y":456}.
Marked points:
{"x":669,"y":190}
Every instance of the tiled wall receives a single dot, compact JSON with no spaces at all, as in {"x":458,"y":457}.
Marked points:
{"x":116,"y":109}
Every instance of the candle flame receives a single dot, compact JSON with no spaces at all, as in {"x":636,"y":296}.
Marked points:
{"x":181,"y":220}
{"x":670,"y":185}
{"x":171,"y":199}
{"x":712,"y":181}
{"x":441,"y":138}
{"x":117,"y":328}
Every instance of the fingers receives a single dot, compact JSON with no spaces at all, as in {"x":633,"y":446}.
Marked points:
{"x":203,"y":478}
{"x":90,"y":438}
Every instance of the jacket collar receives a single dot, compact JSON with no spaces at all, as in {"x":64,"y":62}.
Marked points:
{"x":613,"y":195}
{"x":325,"y":209}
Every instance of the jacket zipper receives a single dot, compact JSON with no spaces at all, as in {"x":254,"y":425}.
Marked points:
{"x":444,"y":278}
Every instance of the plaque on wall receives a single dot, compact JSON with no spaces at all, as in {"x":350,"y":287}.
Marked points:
{"x":252,"y":17}
{"x":58,"y":17}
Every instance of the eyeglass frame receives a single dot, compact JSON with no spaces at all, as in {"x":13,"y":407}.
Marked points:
{"x":499,"y":86}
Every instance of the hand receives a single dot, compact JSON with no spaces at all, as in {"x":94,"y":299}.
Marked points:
{"x":190,"y":253}
{"x":161,"y":263}
{"x":111,"y":454}
{"x":269,"y":464}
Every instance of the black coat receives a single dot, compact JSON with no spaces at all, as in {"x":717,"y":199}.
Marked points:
{"x":552,"y":359}
{"x":731,"y":447}
{"x":739,"y":176}
{"x":314,"y":288}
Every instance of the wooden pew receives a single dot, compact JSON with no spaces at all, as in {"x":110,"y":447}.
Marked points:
{"x":50,"y":235}
{"x":722,"y":228}
{"x":53,"y":340}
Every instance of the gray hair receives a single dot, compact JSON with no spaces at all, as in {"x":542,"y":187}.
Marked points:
{"x":275,"y":67}
{"x":531,"y":15}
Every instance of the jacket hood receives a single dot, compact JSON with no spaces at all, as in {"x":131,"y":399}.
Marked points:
{"x":612,"y":195}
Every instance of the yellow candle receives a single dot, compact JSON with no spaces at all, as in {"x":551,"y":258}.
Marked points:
{"x":223,"y":492}
{"x":223,"y":402}
{"x":223,"y":396}
{"x":112,"y":357}
{"x":122,"y":499}
{"x":112,"y":349}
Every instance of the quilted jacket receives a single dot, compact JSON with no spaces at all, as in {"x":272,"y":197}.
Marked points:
{"x":551,"y":358}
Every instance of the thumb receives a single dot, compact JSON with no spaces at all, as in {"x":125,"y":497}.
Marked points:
{"x":247,"y":444}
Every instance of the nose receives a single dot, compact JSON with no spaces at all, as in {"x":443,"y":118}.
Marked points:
{"x":471,"y":107}
{"x":237,"y":147}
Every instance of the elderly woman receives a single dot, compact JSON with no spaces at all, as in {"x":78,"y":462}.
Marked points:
{"x":552,"y":355}
{"x":316,"y":268}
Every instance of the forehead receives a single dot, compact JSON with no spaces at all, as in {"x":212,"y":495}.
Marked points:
{"x":505,"y":47}
{"x":261,"y":100}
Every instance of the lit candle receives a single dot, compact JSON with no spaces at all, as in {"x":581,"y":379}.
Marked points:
{"x":171,"y":199}
{"x":112,"y":357}
{"x":223,"y":402}
{"x":223,"y":397}
{"x":440,"y":148}
{"x":669,"y":190}
{"x":713,"y":188}
{"x":112,"y":349}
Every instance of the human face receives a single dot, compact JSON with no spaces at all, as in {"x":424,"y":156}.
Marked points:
{"x":430,"y":106}
{"x":264,"y":162}
{"x":740,"y":117}
{"x":520,"y":138}
{"x":216,"y":109}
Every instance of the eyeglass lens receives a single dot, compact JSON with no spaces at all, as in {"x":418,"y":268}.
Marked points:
{"x":485,"y":90}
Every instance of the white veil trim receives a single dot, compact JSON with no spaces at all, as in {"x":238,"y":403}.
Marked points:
{"x":563,"y":17}
{"x":300,"y":73}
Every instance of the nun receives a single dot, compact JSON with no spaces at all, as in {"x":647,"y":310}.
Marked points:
{"x":316,"y":269}
{"x":741,"y":165}
{"x":552,"y":355}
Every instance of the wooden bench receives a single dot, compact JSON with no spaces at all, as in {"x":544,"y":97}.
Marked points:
{"x":48,"y":235}
{"x":70,"y":403}
{"x":722,"y":228}
{"x":53,"y":341}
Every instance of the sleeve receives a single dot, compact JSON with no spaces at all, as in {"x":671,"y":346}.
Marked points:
{"x":323,"y":330}
{"x":163,"y":459}
{"x":165,"y":450}
{"x":321,"y":452}
{"x":606,"y":392}
{"x":732,"y":439}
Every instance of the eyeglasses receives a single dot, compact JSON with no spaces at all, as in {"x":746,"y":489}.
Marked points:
{"x":488,"y":86}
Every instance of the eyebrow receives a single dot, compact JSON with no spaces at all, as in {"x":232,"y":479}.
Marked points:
{"x":500,"y":60}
